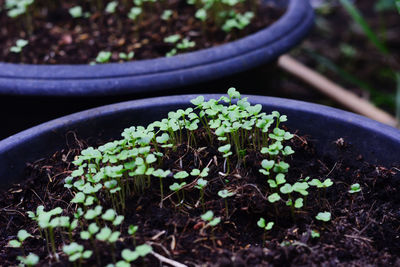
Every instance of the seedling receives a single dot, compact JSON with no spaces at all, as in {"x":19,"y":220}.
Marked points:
{"x":225,"y":194}
{"x":324,"y":216}
{"x":125,"y":56}
{"x":201,"y":184}
{"x":76,"y":11}
{"x":212,"y":221}
{"x":103,"y":57}
{"x":30,"y":260}
{"x":22,"y":235}
{"x":21,"y":43}
{"x":132,"y":229}
{"x":111,"y":7}
{"x":355,"y":188}
{"x":166,"y":15}
{"x":130,"y":256}
{"x":76,"y":252}
{"x":315,"y":234}
{"x":266,"y":227}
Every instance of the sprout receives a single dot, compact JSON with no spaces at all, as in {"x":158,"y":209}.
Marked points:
{"x":22,"y":235}
{"x":107,"y":235}
{"x":315,"y":234}
{"x":274,"y":197}
{"x":129,"y":255}
{"x":185,"y":44}
{"x":76,"y":251}
{"x":298,"y":203}
{"x":166,"y":15}
{"x":21,"y":43}
{"x":125,"y":56}
{"x":324,"y":216}
{"x":355,"y":188}
{"x":132,"y":229}
{"x":317,"y":183}
{"x":201,"y":184}
{"x":111,"y":7}
{"x":266,"y":227}
{"x":172,"y":39}
{"x":103,"y":57}
{"x":201,"y":14}
{"x":30,"y":260}
{"x":181,"y":175}
{"x":134,"y":12}
{"x":76,"y":11}
{"x":225,"y":194}
{"x":267,"y":166}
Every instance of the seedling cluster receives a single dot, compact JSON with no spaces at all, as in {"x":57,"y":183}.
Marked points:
{"x":108,"y":177}
{"x":228,"y":16}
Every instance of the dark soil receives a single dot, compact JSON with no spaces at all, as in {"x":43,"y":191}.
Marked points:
{"x":364,"y":229}
{"x":57,"y":38}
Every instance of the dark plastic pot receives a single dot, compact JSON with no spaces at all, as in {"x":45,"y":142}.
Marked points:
{"x":377,"y":143}
{"x":45,"y":92}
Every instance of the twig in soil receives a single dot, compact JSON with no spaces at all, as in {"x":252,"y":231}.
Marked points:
{"x":38,"y":196}
{"x":258,"y":190}
{"x":166,"y":260}
{"x":333,"y":168}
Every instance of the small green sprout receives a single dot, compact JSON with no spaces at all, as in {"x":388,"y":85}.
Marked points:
{"x":266,"y":227}
{"x":107,"y":235}
{"x":324,"y":216}
{"x":185,"y":44}
{"x":315,"y":182}
{"x":225,"y":194}
{"x":125,"y":56}
{"x":22,"y":235}
{"x":132,"y":229}
{"x":103,"y":57}
{"x":111,"y":7}
{"x":134,"y":12}
{"x":315,"y":234}
{"x":17,"y":48}
{"x":172,"y":39}
{"x":267,"y":166}
{"x":128,"y":255}
{"x":274,"y":197}
{"x":76,"y":11}
{"x":201,"y":184}
{"x":181,"y":175}
{"x":76,"y":251}
{"x":355,"y":188}
{"x":30,"y":260}
{"x":201,"y":14}
{"x":166,"y":15}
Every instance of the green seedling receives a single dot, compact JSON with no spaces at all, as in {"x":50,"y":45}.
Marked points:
{"x":225,"y":194}
{"x":132,"y":229}
{"x":30,"y":260}
{"x":324,"y":216}
{"x":22,"y":235}
{"x":76,"y":12}
{"x":266,"y":165}
{"x":166,"y":15}
{"x":75,"y":252}
{"x":177,"y":188}
{"x":17,"y":48}
{"x":129,"y":256}
{"x":266,"y":227}
{"x":125,"y":56}
{"x":315,"y":234}
{"x":355,"y":188}
{"x":111,"y":7}
{"x":103,"y":57}
{"x":212,"y":221}
{"x":135,"y":12}
{"x":201,"y":184}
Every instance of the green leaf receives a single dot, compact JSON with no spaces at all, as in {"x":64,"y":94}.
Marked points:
{"x":195,"y":172}
{"x":267,"y":164}
{"x":132,"y":229}
{"x":85,"y":235}
{"x":14,"y":244}
{"x":225,"y":193}
{"x":324,"y":216}
{"x":280,"y":178}
{"x":274,"y":197}
{"x":197,"y":101}
{"x":181,"y":175}
{"x":286,"y":189}
{"x":269,"y":226}
{"x":79,"y":198}
{"x":261,"y":223}
{"x":143,"y":250}
{"x":129,"y":255}
{"x":314,"y":234}
{"x":355,"y":188}
{"x":93,"y":228}
{"x":30,"y":260}
{"x":104,"y":234}
{"x":208,"y":216}
{"x":109,"y":215}
{"x":215,"y":221}
{"x":23,"y":234}
{"x":233,"y":93}
{"x":298,"y":203}
{"x":118,"y":220}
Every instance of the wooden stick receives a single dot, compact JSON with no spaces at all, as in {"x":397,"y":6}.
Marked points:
{"x":334,"y":91}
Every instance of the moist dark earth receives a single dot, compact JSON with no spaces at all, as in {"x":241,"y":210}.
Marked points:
{"x":363,"y":231}
{"x":57,"y":38}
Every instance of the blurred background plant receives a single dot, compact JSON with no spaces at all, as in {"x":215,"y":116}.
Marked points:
{"x":357,"y":45}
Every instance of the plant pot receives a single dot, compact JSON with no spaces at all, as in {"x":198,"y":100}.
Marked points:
{"x":374,"y":141}
{"x":369,"y":138}
{"x":51,"y":91}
